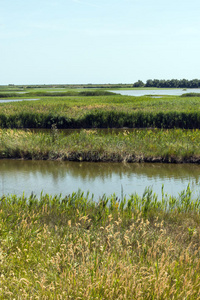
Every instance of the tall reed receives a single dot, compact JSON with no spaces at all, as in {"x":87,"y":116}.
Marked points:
{"x":71,"y":247}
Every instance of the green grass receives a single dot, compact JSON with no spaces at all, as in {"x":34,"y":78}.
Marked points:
{"x":147,"y":145}
{"x":80,"y":247}
{"x":101,"y":111}
{"x":72,"y":247}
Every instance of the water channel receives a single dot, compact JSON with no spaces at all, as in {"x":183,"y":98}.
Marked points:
{"x":53,"y":177}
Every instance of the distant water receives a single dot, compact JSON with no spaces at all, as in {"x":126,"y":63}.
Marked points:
{"x":15,"y":100}
{"x":161,"y":92}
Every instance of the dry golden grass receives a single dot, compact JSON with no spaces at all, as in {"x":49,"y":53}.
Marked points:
{"x":49,"y":251}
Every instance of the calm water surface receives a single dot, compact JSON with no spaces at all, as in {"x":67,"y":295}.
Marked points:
{"x":54,"y":177}
{"x":15,"y":100}
{"x":161,"y":92}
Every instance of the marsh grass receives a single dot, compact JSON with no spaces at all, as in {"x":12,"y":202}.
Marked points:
{"x":54,"y":93}
{"x":147,"y":145}
{"x":89,"y":110}
{"x":73,"y":247}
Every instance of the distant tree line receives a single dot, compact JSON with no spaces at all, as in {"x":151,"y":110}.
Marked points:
{"x":172,"y":83}
{"x":154,"y":83}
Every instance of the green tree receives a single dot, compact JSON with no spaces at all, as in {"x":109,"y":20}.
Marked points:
{"x":139,"y":83}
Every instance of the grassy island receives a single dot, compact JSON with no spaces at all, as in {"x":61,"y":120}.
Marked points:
{"x":99,"y":109}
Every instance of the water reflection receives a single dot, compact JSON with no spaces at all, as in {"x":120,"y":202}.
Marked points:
{"x":66,"y":177}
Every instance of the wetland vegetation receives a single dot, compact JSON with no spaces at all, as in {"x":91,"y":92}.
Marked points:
{"x":72,"y":247}
{"x":174,"y":121}
{"x":101,"y":111}
{"x":140,"y":145}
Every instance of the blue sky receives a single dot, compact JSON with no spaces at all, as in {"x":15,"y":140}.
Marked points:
{"x":92,"y":41}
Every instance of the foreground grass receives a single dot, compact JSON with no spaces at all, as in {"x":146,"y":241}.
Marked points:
{"x":75,"y":248}
{"x":174,"y":145}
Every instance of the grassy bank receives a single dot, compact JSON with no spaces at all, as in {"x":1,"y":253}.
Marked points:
{"x":101,"y":111}
{"x":74,"y":248}
{"x":155,"y":145}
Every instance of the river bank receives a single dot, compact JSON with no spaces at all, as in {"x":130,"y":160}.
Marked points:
{"x":147,"y":145}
